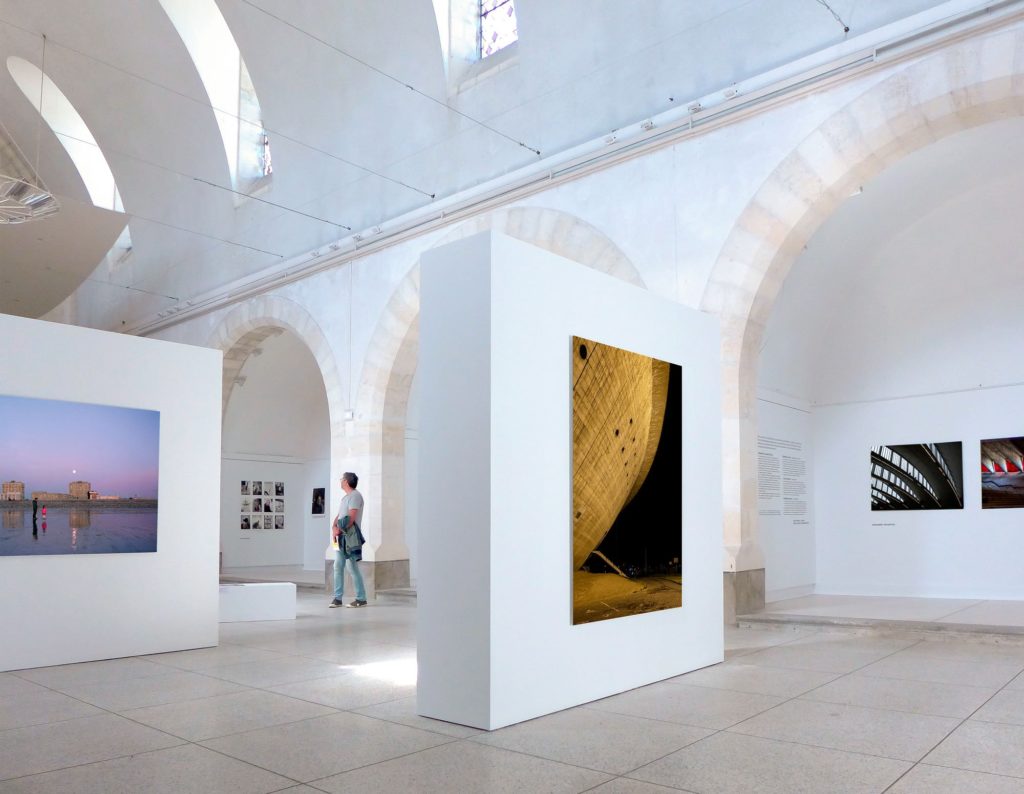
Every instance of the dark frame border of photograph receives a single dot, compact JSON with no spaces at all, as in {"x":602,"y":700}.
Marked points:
{"x":1002,"y":473}
{"x":917,"y":476}
{"x":626,"y":519}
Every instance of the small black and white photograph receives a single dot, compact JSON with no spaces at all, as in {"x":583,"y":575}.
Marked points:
{"x":918,"y":476}
{"x":245,"y":522}
{"x":257,"y":488}
{"x":279,"y":521}
{"x":268,"y":487}
{"x":268,"y":522}
{"x":257,"y":505}
{"x":278,"y":489}
{"x":319,"y":497}
{"x":247,"y":505}
{"x":255,"y":521}
{"x":268,"y":504}
{"x":279,"y":505}
{"x":245,"y":487}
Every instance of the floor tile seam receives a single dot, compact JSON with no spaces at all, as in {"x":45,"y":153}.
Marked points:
{"x":295,"y":782}
{"x":281,"y":683}
{"x":188,"y":699}
{"x":314,"y":781}
{"x":976,"y":771}
{"x":859,"y":674}
{"x":995,"y":722}
{"x":198,"y":741}
{"x":833,"y":672}
{"x":933,"y":657}
{"x":403,"y":724}
{"x":340,"y":710}
{"x":961,"y":609}
{"x":640,"y":780}
{"x":174,"y":667}
{"x":53,"y":686}
{"x":539,"y":757}
{"x":747,"y":692}
{"x":332,"y":661}
{"x":731,"y":729}
{"x":839,"y":676}
{"x":105,"y":712}
{"x":805,"y":699}
{"x":657,"y":719}
{"x":881,"y":708}
{"x":943,"y":739}
{"x":181,"y":743}
{"x":997,"y":687}
{"x":479,"y":740}
{"x":714,"y":732}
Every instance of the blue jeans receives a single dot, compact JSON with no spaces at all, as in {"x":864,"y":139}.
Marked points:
{"x":339,"y":576}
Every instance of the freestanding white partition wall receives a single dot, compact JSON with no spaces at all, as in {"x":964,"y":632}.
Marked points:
{"x":64,"y":608}
{"x":496,"y":641}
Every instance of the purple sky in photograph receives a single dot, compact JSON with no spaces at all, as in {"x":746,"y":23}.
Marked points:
{"x":47,"y":444}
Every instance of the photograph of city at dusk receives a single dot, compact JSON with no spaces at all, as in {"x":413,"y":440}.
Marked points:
{"x":77,"y":478}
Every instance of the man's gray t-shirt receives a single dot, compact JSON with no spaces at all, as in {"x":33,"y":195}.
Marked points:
{"x":352,"y":501}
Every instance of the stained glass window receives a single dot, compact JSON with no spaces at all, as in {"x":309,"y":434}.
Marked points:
{"x":498,"y":26}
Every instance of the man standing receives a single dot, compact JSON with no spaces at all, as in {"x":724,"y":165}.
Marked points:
{"x":349,"y":514}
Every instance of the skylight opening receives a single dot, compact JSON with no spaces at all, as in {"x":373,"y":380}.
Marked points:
{"x":71,"y":130}
{"x":228,"y":85}
{"x":498,"y":26}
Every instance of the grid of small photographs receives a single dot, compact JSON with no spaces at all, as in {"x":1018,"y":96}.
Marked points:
{"x":262,"y":504}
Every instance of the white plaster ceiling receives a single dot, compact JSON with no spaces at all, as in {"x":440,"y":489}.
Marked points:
{"x":581,"y":69}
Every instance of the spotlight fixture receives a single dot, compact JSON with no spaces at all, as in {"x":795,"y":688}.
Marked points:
{"x":647,"y":125}
{"x":695,"y":107}
{"x":349,"y":414}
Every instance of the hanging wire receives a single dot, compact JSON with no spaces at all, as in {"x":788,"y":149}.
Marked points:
{"x":39,"y":117}
{"x":274,"y":133}
{"x":390,"y":77}
{"x":839,"y":19}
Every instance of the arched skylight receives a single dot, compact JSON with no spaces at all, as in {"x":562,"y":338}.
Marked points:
{"x":218,"y":60}
{"x":58,"y":112}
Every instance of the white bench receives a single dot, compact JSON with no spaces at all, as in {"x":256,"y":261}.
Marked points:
{"x":257,"y":601}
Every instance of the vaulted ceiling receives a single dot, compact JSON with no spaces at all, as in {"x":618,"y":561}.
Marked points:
{"x":365,"y":122}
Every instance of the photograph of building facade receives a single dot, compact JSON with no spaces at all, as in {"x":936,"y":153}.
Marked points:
{"x":835,"y":184}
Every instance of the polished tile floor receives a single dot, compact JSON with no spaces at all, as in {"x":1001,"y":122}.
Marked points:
{"x":326,"y":704}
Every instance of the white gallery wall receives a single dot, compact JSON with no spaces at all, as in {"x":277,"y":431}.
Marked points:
{"x":66,"y":608}
{"x":277,"y":428}
{"x":897,"y":326}
{"x":496,"y":644}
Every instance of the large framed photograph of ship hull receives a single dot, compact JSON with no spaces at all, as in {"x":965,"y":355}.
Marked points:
{"x":77,"y":478}
{"x":626,"y":483}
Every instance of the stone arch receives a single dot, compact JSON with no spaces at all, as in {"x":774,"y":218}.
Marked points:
{"x":970,"y":83}
{"x":250,"y":323}
{"x":391,"y":357}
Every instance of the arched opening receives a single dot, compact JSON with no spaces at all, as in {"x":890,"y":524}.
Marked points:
{"x":387,"y":406}
{"x":276,"y":454}
{"x":886,"y":363}
{"x":962,"y":87}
